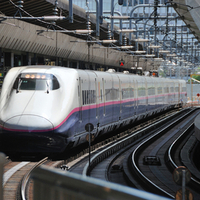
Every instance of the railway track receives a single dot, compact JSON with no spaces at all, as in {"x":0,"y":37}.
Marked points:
{"x":17,"y":183}
{"x":122,"y":161}
{"x":115,"y":146}
{"x":157,"y":176}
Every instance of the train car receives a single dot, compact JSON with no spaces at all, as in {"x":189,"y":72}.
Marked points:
{"x":154,"y":73}
{"x":44,"y":109}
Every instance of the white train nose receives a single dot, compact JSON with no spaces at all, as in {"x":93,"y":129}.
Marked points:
{"x":28,"y":123}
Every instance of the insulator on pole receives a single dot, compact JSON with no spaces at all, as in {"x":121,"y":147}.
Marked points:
{"x":120,"y":2}
{"x":55,"y":10}
{"x":20,"y":4}
{"x":109,"y":32}
{"x":88,"y":23}
{"x":125,"y":40}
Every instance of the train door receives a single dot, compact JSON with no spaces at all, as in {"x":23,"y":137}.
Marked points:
{"x":115,"y":97}
{"x":133,"y":98}
{"x":100,"y":99}
{"x":104,"y":98}
{"x":108,"y":112}
{"x":97,"y":96}
{"x":126,"y":103}
{"x":146,"y":94}
{"x":179,"y":93}
{"x":102,"y":106}
{"x":120,"y":99}
{"x":80,"y":99}
{"x":92,"y":99}
{"x":136,"y":97}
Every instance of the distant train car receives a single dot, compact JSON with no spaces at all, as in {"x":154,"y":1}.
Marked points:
{"x":44,"y":109}
{"x":137,"y":70}
{"x":154,"y":73}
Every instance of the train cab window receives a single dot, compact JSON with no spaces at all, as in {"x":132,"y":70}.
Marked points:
{"x":36,"y":81}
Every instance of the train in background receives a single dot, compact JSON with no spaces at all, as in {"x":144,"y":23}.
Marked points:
{"x":44,"y":109}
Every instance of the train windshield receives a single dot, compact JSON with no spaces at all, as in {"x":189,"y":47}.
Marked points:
{"x":36,"y":81}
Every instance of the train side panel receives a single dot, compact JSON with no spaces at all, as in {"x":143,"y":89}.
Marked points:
{"x":151,"y":94}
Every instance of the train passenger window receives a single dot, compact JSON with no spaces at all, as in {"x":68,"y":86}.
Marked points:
{"x":171,"y":89}
{"x":141,"y":92}
{"x":151,"y":91}
{"x":131,"y":92}
{"x":166,"y":89}
{"x":36,"y":81}
{"x":183,"y":89}
{"x":88,"y":97}
{"x":127,"y":93}
{"x":159,"y":90}
{"x":112,"y":94}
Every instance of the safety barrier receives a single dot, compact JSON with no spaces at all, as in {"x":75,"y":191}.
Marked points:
{"x":51,"y":184}
{"x":194,"y":102}
{"x":2,"y":162}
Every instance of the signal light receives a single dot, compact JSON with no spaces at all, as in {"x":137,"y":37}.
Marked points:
{"x":120,"y":2}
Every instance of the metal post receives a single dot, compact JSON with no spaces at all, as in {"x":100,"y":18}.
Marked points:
{"x":2,"y":161}
{"x":97,"y":19}
{"x":183,"y":184}
{"x":101,"y":11}
{"x":192,"y":51}
{"x":120,"y":35}
{"x":112,"y":13}
{"x":170,"y":72}
{"x":191,"y":87}
{"x":89,"y":144}
{"x":70,"y":11}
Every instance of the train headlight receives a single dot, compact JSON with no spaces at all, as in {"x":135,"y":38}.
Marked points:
{"x":27,"y":76}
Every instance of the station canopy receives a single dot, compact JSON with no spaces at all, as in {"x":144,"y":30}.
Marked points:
{"x":42,"y":8}
{"x":189,"y":11}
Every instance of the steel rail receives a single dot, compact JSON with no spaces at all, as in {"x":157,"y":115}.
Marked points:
{"x":97,"y":158}
{"x":148,"y":140}
{"x":27,"y":176}
{"x":173,"y":144}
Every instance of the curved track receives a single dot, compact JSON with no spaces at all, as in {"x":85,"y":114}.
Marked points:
{"x":110,"y":158}
{"x":17,"y":184}
{"x":158,"y":177}
{"x":122,"y":161}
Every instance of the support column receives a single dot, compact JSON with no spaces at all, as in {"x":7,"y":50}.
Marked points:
{"x":1,"y":59}
{"x":2,"y":162}
{"x":12,"y":59}
{"x":68,"y":63}
{"x":77,"y":65}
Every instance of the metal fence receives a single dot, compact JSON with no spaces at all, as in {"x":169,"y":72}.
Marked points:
{"x":2,"y":162}
{"x":51,"y":184}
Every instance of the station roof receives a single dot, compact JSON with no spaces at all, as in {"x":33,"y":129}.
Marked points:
{"x":189,"y":11}
{"x":42,"y":8}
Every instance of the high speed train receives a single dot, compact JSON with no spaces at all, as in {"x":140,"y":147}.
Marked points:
{"x":45,"y":109}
